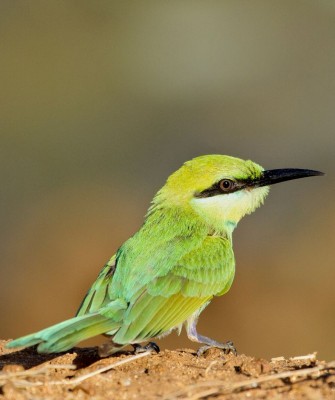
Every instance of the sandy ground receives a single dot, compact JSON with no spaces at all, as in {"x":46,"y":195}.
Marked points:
{"x":178,"y":374}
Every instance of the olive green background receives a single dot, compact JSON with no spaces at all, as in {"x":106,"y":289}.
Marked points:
{"x":101,"y":100}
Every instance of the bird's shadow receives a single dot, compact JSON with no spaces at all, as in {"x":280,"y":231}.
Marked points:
{"x":29,"y":357}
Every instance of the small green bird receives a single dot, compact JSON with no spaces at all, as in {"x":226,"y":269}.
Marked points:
{"x":166,"y":274}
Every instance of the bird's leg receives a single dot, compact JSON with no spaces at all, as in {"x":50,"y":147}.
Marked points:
{"x":151,"y":346}
{"x":109,"y":348}
{"x":193,"y":335}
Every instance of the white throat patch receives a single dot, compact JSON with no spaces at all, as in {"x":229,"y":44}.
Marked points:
{"x":229,"y":208}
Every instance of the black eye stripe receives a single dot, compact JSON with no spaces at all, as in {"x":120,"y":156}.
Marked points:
{"x":219,"y":188}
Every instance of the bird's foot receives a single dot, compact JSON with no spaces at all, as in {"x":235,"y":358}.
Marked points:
{"x":151,"y":346}
{"x":226,"y":347}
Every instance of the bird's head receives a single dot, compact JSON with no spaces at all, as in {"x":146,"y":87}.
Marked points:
{"x":222,"y":189}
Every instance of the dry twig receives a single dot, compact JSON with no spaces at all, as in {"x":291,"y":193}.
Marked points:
{"x":216,"y":387}
{"x":4,"y":376}
{"x":24,"y":383}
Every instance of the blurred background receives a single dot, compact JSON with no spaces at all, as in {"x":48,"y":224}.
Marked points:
{"x":101,"y":101}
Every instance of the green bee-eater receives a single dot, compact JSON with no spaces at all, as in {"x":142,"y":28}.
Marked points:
{"x":167,"y":273}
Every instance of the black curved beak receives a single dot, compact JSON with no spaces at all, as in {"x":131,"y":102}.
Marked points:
{"x":272,"y":176}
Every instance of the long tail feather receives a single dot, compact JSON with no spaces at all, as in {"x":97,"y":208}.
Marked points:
{"x":66,"y":334}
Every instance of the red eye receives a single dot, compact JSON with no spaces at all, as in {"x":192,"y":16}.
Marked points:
{"x":226,"y":185}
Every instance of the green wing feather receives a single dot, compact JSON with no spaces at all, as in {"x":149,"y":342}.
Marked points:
{"x":161,"y":276}
{"x":97,"y":296}
{"x":164,"y":282}
{"x":168,"y":301}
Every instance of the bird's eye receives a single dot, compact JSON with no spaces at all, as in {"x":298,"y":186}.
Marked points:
{"x":226,"y":185}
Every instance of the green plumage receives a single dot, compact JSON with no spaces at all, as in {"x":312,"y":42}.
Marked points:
{"x":167,"y":273}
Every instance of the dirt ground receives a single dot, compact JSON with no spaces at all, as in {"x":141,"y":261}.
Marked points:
{"x":179,"y":374}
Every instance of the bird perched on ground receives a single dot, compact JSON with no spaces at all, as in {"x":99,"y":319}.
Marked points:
{"x":166,"y":274}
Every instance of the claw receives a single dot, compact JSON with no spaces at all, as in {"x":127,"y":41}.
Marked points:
{"x":151,"y":346}
{"x":226,"y":347}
